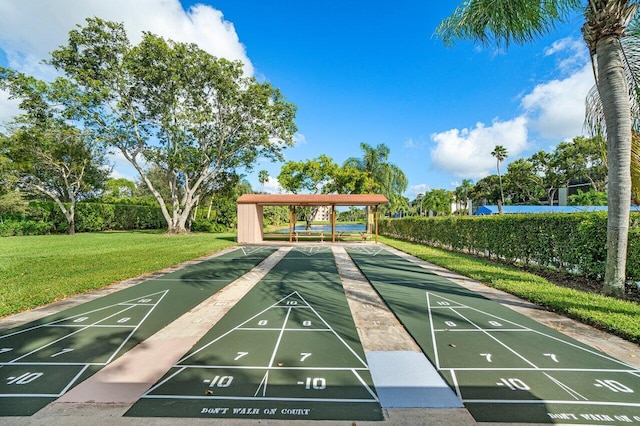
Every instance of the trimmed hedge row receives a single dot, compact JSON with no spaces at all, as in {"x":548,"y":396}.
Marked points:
{"x":14,"y":227}
{"x":95,"y":217}
{"x":573,"y":243}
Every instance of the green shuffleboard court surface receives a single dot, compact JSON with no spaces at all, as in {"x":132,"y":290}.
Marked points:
{"x":42,"y":360}
{"x":503,"y":366}
{"x":288,"y":350}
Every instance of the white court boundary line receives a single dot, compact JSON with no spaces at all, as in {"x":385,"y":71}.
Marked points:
{"x":588,"y":350}
{"x":577,"y":397}
{"x":180,"y":366}
{"x":127,"y":305}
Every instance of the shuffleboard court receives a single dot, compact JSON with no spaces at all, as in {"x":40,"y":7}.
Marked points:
{"x":288,"y":350}
{"x":42,"y":360}
{"x":503,"y":366}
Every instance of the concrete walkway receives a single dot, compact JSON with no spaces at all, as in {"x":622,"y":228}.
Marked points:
{"x":107,"y":395}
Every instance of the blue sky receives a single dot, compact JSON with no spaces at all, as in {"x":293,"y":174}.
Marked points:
{"x":359,"y":71}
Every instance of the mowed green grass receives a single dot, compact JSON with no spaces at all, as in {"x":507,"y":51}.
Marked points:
{"x":42,"y":269}
{"x":615,"y":316}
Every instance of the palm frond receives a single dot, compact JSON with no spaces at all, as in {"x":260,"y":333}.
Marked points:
{"x":502,"y":22}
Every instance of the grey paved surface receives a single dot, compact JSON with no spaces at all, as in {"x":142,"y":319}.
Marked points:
{"x":360,"y":299}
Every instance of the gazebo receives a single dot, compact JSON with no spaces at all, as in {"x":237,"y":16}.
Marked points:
{"x":250,"y":214}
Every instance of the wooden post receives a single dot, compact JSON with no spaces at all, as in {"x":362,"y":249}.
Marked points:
{"x":292,"y":222}
{"x":376,"y":220}
{"x":333,"y":223}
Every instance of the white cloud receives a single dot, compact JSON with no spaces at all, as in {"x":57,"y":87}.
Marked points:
{"x":467,"y":152}
{"x":299,"y":139}
{"x":31,"y":29}
{"x":572,"y":54}
{"x":553,"y":110}
{"x":8,"y":108}
{"x":413,"y":144}
{"x":556,"y":108}
{"x":272,"y":186}
{"x":421,"y":188}
{"x":122,"y":168}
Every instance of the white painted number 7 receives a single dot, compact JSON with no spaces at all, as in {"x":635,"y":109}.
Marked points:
{"x":240,"y":355}
{"x":304,"y":355}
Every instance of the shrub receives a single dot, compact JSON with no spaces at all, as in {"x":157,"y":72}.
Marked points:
{"x":11,"y":227}
{"x":46,"y":217}
{"x":572,"y":243}
{"x":205,"y":225}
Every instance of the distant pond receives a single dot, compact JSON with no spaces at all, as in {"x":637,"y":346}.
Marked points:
{"x":359,"y":227}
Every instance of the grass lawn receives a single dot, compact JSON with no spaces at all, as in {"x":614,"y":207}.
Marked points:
{"x":615,"y":316}
{"x":42,"y":269}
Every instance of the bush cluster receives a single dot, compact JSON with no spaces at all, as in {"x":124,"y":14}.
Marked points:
{"x":45,"y":217}
{"x":571,"y":243}
{"x":10,"y":227}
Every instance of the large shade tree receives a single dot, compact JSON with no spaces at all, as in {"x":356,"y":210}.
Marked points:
{"x":48,"y":153}
{"x":174,"y":108}
{"x":503,"y":22}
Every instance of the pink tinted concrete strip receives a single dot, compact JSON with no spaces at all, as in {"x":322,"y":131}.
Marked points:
{"x":131,"y":375}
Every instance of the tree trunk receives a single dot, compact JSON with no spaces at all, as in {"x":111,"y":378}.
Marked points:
{"x":614,"y":94}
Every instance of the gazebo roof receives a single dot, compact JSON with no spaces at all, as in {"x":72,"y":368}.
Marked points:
{"x":313,"y":199}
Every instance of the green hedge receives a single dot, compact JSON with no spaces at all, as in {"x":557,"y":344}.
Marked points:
{"x":15,"y":227}
{"x":94,"y":217}
{"x":573,"y":243}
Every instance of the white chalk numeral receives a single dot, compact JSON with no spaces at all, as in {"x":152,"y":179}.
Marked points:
{"x":306,"y":323}
{"x":487,"y":356}
{"x":318,"y":383}
{"x":495,"y":323}
{"x":553,"y":357}
{"x":263,"y":322}
{"x":450,"y":324}
{"x":240,"y":355}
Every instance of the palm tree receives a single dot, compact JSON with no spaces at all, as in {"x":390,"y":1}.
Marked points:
{"x":385,"y":178}
{"x":263,"y":177}
{"x":500,"y":153}
{"x":462,"y":193}
{"x":505,"y":22}
{"x":595,"y":117}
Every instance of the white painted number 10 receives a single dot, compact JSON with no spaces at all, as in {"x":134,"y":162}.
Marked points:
{"x":318,"y":383}
{"x":221,"y":381}
{"x":514,"y":384}
{"x":613,"y":386}
{"x":24,"y":379}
